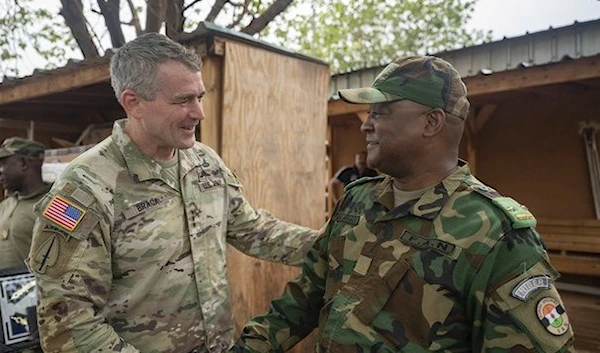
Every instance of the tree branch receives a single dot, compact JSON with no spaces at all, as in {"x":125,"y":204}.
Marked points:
{"x":72,"y":11}
{"x":155,"y":14}
{"x":259,"y":23}
{"x":135,"y":20}
{"x":214,"y":12}
{"x":190,"y":5}
{"x":110,"y":10}
{"x":239,"y":18}
{"x":174,"y":18}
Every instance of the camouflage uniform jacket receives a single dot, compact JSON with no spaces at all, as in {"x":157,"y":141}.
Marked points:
{"x":16,"y":227}
{"x":126,"y":261}
{"x":459,"y":270}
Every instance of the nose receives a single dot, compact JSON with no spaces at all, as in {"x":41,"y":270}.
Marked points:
{"x":367,"y":126}
{"x":197,"y":110}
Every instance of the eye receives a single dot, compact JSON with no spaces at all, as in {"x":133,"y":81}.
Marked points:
{"x":373,"y":114}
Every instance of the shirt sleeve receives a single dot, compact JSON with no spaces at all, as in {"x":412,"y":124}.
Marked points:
{"x":258,"y":234}
{"x":295,"y":314}
{"x":72,"y":266}
{"x":344,"y":174}
{"x":515,"y":304}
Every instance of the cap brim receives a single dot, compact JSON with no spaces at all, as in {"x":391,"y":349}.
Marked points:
{"x":5,"y":153}
{"x":366,"y":95}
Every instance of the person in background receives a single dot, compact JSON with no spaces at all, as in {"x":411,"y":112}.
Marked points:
{"x":348,"y":174}
{"x":424,"y":258}
{"x":21,"y":176}
{"x":129,"y":248}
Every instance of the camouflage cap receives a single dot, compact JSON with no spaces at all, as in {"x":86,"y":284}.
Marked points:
{"x":426,"y":80}
{"x":18,"y":145}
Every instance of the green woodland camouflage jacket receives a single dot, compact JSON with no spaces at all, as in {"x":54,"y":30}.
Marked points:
{"x":459,"y":270}
{"x":127,"y":261}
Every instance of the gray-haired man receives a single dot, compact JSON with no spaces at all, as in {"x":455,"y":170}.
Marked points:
{"x":129,"y":250}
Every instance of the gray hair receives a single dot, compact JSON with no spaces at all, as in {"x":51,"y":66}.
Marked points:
{"x":134,"y":66}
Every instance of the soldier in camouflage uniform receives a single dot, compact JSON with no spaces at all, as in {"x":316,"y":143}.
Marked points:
{"x":21,"y":175}
{"x":129,"y":247}
{"x":426,"y":258}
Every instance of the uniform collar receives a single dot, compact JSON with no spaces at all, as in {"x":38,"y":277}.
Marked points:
{"x":140,"y":166}
{"x":42,"y":190}
{"x":432,"y":201}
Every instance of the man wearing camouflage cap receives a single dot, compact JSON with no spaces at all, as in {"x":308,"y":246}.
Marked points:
{"x":426,"y":258}
{"x":21,"y":176}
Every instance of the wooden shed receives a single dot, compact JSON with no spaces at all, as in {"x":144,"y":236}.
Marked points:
{"x":532,"y":97}
{"x":266,"y":110}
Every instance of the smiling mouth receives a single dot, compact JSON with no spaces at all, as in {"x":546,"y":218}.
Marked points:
{"x":189,"y":128}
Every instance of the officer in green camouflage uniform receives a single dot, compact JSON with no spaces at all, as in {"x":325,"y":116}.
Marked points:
{"x":21,"y":175}
{"x":427,"y":258}
{"x":129,"y":248}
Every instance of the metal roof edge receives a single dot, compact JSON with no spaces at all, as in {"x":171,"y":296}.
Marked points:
{"x":210,"y":29}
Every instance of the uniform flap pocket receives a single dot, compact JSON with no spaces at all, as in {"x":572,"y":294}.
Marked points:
{"x":336,"y":269}
{"x":374,"y":291}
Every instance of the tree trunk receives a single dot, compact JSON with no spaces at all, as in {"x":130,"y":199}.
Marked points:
{"x":155,"y":14}
{"x":72,"y":11}
{"x":259,"y":23}
{"x":174,"y":18}
{"x":110,"y":11}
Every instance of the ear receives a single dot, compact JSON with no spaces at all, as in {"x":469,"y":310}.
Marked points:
{"x":435,"y":120}
{"x":23,"y":163}
{"x":131,"y":103}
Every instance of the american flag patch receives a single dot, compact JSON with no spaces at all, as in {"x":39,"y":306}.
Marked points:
{"x":63,"y":213}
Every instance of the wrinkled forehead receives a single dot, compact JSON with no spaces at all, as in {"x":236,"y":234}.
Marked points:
{"x":401,"y":104}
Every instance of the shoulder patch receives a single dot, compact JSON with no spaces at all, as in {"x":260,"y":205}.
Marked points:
{"x":64,"y":213}
{"x":517,"y":213}
{"x":364,"y":180}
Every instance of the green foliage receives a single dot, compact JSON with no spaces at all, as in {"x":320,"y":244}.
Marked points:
{"x":348,"y":34}
{"x":27,"y":30}
{"x":351,"y":34}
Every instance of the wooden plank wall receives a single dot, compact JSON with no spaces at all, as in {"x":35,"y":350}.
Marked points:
{"x":273,"y":136}
{"x":530,"y":149}
{"x":584,"y":314}
{"x":212,"y":75}
{"x":346,"y":140}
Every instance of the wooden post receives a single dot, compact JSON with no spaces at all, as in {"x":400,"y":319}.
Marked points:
{"x":475,"y":122}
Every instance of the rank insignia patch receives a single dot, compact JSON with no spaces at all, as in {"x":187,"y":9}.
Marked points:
{"x":552,"y":315}
{"x":63,"y":213}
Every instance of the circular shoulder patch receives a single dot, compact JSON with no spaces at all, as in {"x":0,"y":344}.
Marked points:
{"x":552,"y":315}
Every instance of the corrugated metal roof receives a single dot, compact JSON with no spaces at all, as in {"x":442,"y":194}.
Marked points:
{"x":552,"y":45}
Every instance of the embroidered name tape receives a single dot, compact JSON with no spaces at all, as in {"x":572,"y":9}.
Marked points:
{"x":63,"y":213}
{"x":529,"y":285}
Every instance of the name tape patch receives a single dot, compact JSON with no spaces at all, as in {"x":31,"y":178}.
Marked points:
{"x":529,"y":285}
{"x":421,"y":242}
